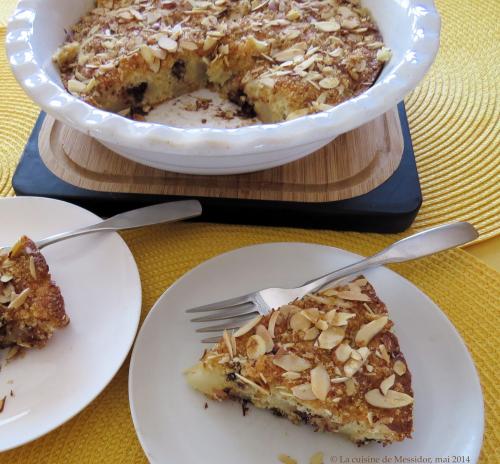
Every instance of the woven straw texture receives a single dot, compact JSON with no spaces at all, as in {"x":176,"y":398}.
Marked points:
{"x":454,"y":122}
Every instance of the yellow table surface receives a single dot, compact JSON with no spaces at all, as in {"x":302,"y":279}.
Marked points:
{"x":455,"y":135}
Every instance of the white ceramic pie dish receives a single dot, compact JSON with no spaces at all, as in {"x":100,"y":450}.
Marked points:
{"x":410,"y":28}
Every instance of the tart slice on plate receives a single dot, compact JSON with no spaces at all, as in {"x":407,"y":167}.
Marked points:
{"x":330,"y":359}
{"x":31,"y":305}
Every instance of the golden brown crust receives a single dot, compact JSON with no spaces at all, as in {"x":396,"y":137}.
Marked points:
{"x":363,"y":370}
{"x":289,"y":57}
{"x":32,"y":306}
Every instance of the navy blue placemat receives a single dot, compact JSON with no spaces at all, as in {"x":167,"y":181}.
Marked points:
{"x":389,"y":208}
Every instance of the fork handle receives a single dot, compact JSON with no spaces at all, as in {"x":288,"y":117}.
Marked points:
{"x":149,"y":215}
{"x":415,"y":246}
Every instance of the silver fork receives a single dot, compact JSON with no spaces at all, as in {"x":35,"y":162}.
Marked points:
{"x":149,"y":215}
{"x":236,"y":311}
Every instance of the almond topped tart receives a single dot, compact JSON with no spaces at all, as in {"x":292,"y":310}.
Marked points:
{"x":31,"y":305}
{"x":330,"y":359}
{"x":277,"y":59}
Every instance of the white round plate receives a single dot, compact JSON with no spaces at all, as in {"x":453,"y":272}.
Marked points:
{"x":100,"y":284}
{"x":173,"y":425}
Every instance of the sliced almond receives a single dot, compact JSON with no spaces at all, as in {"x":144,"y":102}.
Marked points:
{"x":369,"y":368}
{"x":327,"y":26}
{"x":32,"y":267}
{"x":399,"y":367}
{"x":321,"y":324}
{"x":352,"y":366}
{"x":299,"y":322}
{"x":293,"y":15}
{"x":260,"y":45}
{"x":291,"y":375}
{"x":355,"y":355}
{"x":391,"y":400}
{"x":227,"y":341}
{"x":136,"y":14}
{"x":361,"y":282}
{"x":305,"y":64}
{"x":344,"y":304}
{"x":152,"y":17}
{"x":364,"y":352}
{"x":387,"y":384}
{"x":330,"y":316}
{"x":291,"y":362}
{"x":342,"y":319}
{"x":288,"y":309}
{"x":351,"y":387}
{"x":147,"y":54}
{"x":233,"y":343}
{"x":272,"y":323}
{"x":293,"y":34}
{"x":251,"y":383}
{"x":7,"y":263}
{"x":91,"y":85}
{"x":304,"y":392}
{"x":247,"y":327}
{"x":76,"y":86}
{"x":354,"y":293}
{"x":339,"y":379}
{"x":384,"y":54}
{"x":210,"y":42}
{"x":320,"y":382}
{"x":6,"y":278}
{"x":19,"y":299}
{"x":159,"y":52}
{"x":329,"y":291}
{"x":311,"y":313}
{"x":263,"y":333}
{"x":320,"y":299}
{"x":383,"y":353}
{"x":368,"y":331}
{"x":350,"y":23}
{"x":343,"y":352}
{"x":330,"y":338}
{"x":256,"y":347}
{"x":288,"y":54}
{"x":310,"y":334}
{"x":188,"y":45}
{"x":329,"y":83}
{"x":167,"y":44}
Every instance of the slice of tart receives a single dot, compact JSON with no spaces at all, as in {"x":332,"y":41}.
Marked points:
{"x":31,"y":305}
{"x":330,"y":359}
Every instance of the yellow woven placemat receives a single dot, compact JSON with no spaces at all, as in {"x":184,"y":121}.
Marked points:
{"x":454,"y":118}
{"x":464,"y":288}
